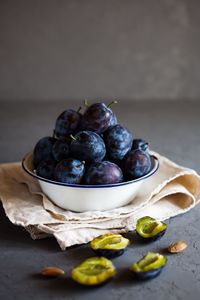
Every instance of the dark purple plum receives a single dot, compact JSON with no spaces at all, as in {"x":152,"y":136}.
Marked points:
{"x":140,"y":144}
{"x":118,"y":141}
{"x":46,"y":169}
{"x":88,"y":146}
{"x":98,"y":117}
{"x":68,"y":122}
{"x":69,"y":171}
{"x":60,"y":150}
{"x":137,"y":163}
{"x":104,"y":172}
{"x":43,"y":150}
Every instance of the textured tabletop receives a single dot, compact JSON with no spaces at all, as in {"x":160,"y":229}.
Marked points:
{"x":172,"y":128}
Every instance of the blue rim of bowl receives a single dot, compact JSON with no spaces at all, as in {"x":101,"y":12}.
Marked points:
{"x":153,"y":170}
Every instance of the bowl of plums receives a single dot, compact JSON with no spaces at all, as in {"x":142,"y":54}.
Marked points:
{"x":91,"y":162}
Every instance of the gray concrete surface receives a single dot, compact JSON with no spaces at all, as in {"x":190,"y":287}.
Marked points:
{"x":78,"y":49}
{"x":173,"y":130}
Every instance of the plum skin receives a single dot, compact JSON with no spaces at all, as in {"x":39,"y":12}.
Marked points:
{"x":137,"y":164}
{"x":118,"y":140}
{"x":43,"y":150}
{"x":88,"y":146}
{"x":113,"y":120}
{"x":46,"y":169}
{"x":98,"y":117}
{"x":104,"y":172}
{"x":68,"y":122}
{"x":60,"y":150}
{"x":149,"y":274}
{"x":140,"y":144}
{"x":69,"y":171}
{"x":109,"y":253}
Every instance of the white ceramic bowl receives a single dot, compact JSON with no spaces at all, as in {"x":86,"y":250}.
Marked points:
{"x":80,"y":198}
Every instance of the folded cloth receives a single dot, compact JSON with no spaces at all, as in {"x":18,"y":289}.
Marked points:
{"x":171,"y":191}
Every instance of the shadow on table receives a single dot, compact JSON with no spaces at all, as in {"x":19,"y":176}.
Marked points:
{"x":60,"y":286}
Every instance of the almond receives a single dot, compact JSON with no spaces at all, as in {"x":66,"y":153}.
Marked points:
{"x":52,"y":272}
{"x":177,"y":247}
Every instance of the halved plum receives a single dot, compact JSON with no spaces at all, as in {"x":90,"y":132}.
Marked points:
{"x":149,"y":229}
{"x":93,"y":271}
{"x":150,"y":266}
{"x":109,"y":245}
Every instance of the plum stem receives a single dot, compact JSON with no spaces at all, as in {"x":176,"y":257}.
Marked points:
{"x":54,"y":134}
{"x":79,"y":109}
{"x":72,"y":137}
{"x":111,"y":103}
{"x":82,"y":163}
{"x":86,"y":103}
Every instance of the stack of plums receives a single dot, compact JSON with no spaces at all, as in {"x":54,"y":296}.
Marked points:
{"x":91,"y":148}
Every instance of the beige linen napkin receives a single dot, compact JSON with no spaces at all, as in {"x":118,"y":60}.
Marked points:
{"x":171,"y":191}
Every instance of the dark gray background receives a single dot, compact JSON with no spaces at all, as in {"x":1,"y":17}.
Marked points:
{"x":75,"y":49}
